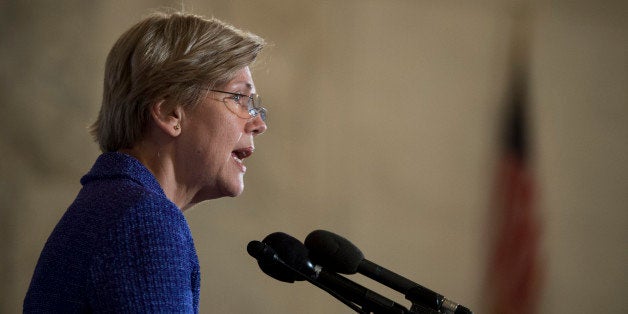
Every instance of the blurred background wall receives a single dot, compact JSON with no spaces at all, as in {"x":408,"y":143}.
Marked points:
{"x":384,"y":124}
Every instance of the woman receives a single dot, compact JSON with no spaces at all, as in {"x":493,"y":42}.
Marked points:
{"x":178,"y":117}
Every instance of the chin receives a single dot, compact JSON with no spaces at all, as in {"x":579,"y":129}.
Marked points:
{"x":234,"y":189}
{"x":239,"y":191}
{"x":234,"y":194}
{"x":225,"y":190}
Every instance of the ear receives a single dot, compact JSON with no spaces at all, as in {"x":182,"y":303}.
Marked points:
{"x":167,"y":118}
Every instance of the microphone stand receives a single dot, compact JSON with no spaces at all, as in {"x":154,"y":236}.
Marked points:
{"x":423,"y":300}
{"x":370,"y":301}
{"x":419,"y":309}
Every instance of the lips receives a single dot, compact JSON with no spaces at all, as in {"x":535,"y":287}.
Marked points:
{"x":240,"y":154}
{"x":243,"y":152}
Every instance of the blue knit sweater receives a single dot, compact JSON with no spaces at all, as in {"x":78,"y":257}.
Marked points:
{"x":121,"y":247}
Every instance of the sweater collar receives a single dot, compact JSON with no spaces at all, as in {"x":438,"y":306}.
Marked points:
{"x":115,"y":165}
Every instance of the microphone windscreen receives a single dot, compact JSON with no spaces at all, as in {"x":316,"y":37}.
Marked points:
{"x":291,"y":251}
{"x":333,"y":252}
{"x":259,"y":250}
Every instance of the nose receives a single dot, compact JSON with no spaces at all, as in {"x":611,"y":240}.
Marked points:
{"x":256,"y":126}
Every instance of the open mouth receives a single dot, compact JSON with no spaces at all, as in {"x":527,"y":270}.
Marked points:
{"x":241,"y":153}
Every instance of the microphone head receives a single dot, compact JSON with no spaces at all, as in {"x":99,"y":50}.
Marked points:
{"x":259,"y":250}
{"x":287,"y":249}
{"x":333,"y":252}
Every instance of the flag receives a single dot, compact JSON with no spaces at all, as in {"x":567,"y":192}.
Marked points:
{"x":514,"y":269}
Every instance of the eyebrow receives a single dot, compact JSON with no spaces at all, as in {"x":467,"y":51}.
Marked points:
{"x":248,"y":85}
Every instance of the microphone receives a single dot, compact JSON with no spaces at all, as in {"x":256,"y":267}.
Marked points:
{"x":282,"y":257}
{"x":337,"y":254}
{"x":285,"y":258}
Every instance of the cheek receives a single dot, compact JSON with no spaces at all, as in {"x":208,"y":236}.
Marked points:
{"x":224,"y":137}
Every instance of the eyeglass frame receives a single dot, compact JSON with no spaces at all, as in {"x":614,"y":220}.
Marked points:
{"x":252,"y":109}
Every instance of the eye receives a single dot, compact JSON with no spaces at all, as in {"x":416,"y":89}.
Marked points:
{"x":236,"y":97}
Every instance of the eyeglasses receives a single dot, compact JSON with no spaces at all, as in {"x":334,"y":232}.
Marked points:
{"x":245,"y":107}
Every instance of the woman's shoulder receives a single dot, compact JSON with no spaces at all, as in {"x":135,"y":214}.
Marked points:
{"x":119,"y":208}
{"x":115,"y":198}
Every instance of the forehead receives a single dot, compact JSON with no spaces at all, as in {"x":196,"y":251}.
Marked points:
{"x":242,"y":81}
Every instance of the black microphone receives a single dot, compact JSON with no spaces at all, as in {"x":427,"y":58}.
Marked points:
{"x":337,"y":254}
{"x":285,"y":258}
{"x":282,"y":257}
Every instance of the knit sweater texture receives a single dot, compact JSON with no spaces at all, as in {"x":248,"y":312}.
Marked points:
{"x":121,"y":247}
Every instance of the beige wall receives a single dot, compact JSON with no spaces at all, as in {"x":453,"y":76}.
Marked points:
{"x":383,"y":121}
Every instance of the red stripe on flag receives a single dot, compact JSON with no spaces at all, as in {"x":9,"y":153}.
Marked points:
{"x":514,"y":272}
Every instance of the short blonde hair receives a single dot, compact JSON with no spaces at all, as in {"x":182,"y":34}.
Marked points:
{"x":171,"y":57}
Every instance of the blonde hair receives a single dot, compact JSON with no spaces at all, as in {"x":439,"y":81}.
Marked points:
{"x":171,"y":57}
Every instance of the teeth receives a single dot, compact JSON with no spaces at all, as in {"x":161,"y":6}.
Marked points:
{"x":240,"y":154}
{"x":235,"y":156}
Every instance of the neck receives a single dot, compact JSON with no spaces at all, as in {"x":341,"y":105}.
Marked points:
{"x":159,"y":161}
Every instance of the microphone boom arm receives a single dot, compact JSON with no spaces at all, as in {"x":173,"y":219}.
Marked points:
{"x":413,"y":292}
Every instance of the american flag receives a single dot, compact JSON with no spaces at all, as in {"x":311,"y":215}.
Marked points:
{"x":514,"y":268}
